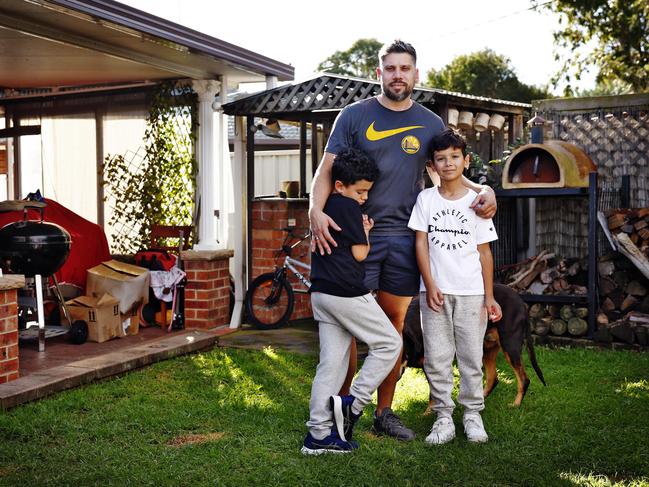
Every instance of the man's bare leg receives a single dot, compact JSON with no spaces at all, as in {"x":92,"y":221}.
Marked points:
{"x":395,"y":307}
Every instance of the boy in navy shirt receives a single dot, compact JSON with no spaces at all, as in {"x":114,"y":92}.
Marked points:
{"x":344,"y":308}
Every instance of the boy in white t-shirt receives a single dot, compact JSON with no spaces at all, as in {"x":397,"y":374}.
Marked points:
{"x":456,"y":266}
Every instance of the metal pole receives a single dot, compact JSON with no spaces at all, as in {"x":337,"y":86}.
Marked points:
{"x":592,"y":253}
{"x":625,"y":191}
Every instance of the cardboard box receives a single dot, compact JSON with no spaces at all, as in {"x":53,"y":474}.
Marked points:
{"x":128,"y":283}
{"x":101,"y":314}
{"x":131,"y":322}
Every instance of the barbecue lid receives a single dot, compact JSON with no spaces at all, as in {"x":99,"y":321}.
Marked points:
{"x":31,"y":232}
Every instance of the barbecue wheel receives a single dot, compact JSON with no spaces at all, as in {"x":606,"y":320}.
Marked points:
{"x":78,"y":333}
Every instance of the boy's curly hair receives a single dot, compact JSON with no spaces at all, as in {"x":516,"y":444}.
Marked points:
{"x":351,"y":165}
{"x":445,"y":139}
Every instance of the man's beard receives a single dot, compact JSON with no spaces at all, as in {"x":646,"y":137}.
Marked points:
{"x":407,"y":91}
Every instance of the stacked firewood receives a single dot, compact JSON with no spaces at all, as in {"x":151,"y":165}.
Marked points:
{"x":632,"y":222}
{"x":624,"y":278}
{"x":546,"y":274}
{"x":624,"y":300}
{"x":558,"y":320}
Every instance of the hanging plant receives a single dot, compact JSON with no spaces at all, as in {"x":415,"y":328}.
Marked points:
{"x":161,"y":190}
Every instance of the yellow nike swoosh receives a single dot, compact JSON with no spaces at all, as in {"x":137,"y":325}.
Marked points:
{"x":373,"y":134}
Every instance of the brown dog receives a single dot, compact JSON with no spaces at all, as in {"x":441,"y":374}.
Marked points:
{"x":507,"y":334}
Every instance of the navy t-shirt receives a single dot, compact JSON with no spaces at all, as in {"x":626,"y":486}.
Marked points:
{"x":339,"y":273}
{"x":399,"y":142}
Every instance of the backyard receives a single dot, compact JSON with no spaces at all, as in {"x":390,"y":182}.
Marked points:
{"x":236,"y":417}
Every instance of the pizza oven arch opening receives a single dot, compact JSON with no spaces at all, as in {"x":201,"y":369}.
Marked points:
{"x":553,"y":164}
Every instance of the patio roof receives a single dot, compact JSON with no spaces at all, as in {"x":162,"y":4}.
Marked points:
{"x":316,"y":99}
{"x":53,"y":43}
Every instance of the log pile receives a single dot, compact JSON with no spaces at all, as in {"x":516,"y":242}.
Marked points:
{"x":633,"y":222}
{"x":624,"y":278}
{"x":558,"y":320}
{"x":546,"y":274}
{"x":624,"y":294}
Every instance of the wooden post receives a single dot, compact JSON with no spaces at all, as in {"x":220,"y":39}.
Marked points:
{"x":99,"y":151}
{"x":315,"y":149}
{"x":250,"y":184}
{"x":302,"y":158}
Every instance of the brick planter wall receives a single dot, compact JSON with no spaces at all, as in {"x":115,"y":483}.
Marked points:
{"x":207,"y":294}
{"x":9,"y":327}
{"x":269,"y":216}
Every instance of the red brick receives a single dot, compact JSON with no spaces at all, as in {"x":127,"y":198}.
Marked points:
{"x":8,"y":296}
{"x":197,"y":265}
{"x":13,"y":376}
{"x":8,"y":324}
{"x":4,"y":378}
{"x":9,"y":366}
{"x":8,"y":310}
{"x":204,"y":294}
{"x":12,"y":351}
{"x":201,"y":314}
{"x":196,"y":304}
{"x":8,"y":338}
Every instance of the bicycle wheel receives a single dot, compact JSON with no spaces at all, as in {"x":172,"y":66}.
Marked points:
{"x":269,"y":301}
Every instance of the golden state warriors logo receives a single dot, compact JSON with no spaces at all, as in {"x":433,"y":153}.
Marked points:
{"x":410,"y":144}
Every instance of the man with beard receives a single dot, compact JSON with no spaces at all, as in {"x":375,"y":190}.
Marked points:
{"x":396,"y":132}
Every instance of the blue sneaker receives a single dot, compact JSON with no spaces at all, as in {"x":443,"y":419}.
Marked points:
{"x":330,"y":444}
{"x":344,"y":418}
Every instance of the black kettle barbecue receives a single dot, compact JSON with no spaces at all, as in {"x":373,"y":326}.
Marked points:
{"x":38,"y":249}
{"x":34,"y":247}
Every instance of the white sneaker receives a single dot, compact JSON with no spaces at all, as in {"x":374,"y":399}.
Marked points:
{"x":443,"y":431}
{"x":474,"y":428}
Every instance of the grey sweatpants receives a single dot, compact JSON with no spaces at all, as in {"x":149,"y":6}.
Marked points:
{"x":339,"y":319}
{"x":456,"y":331}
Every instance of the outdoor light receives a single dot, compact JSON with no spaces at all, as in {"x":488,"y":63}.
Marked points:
{"x":270,"y":129}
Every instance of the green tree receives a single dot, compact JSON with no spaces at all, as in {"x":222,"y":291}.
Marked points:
{"x":611,"y":35}
{"x":603,"y":88}
{"x":484,"y":73}
{"x":360,"y":60}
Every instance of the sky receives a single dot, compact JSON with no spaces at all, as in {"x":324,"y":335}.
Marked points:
{"x":304,"y":33}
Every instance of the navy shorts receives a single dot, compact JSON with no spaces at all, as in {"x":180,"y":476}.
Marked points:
{"x":391,"y":265}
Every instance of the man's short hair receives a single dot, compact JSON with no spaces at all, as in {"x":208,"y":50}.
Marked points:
{"x":445,"y":139}
{"x":351,"y":165}
{"x":397,"y":46}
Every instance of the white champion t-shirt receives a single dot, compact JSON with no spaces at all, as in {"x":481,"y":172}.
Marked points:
{"x":454,"y":233}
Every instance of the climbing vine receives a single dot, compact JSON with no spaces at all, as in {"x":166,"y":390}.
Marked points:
{"x":160,"y":189}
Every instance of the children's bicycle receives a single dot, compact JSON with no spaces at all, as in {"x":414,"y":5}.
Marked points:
{"x":270,"y":299}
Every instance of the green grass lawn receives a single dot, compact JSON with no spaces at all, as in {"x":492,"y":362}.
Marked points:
{"x":236,"y":417}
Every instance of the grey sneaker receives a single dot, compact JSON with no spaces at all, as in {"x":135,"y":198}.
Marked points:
{"x":443,"y":431}
{"x":389,"y":424}
{"x":474,"y":428}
